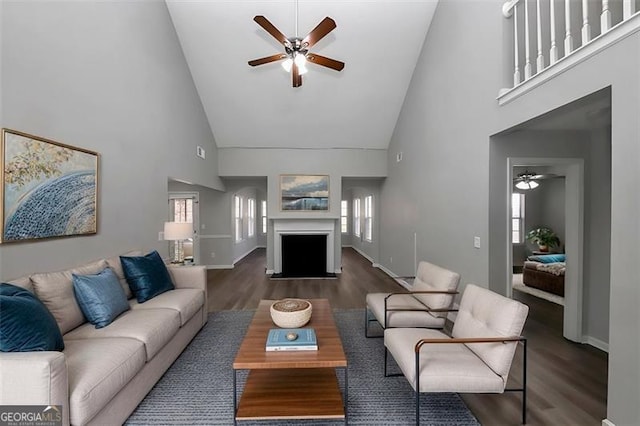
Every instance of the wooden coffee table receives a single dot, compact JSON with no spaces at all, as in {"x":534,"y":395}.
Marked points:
{"x":291,"y":384}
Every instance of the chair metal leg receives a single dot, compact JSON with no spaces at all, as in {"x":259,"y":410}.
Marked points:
{"x":366,"y":322}
{"x":417,"y":388}
{"x":523,"y":389}
{"x":386,"y":351}
{"x":524,"y":383}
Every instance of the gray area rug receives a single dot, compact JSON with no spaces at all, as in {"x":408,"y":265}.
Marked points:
{"x":198,"y":388}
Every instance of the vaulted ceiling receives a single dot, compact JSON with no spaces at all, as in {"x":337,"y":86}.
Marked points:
{"x":379,"y":41}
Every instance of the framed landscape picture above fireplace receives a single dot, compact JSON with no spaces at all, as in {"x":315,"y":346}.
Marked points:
{"x":304,"y":192}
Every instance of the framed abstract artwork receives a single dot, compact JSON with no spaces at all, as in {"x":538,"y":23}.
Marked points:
{"x":48,"y":189}
{"x":304,"y":192}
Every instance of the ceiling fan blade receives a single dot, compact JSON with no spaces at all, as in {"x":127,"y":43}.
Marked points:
{"x":325,"y":62}
{"x":270,"y":28}
{"x":295,"y":73}
{"x":321,"y":30}
{"x":267,"y":59}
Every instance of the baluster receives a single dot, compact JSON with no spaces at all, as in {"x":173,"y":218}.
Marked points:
{"x":586,"y":27}
{"x":553,"y":52}
{"x":568,"y":38}
{"x":605,"y":17}
{"x":516,"y":73}
{"x":527,"y":56}
{"x":540,"y":58}
{"x":628,"y":9}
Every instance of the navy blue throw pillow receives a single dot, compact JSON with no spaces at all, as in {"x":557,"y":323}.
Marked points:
{"x":27,"y":325}
{"x":147,"y":275}
{"x":100,"y":296}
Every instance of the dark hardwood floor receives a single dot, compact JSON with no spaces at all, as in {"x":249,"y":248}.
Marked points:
{"x":566,"y":381}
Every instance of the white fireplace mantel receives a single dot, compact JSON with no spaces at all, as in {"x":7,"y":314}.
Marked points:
{"x":303,"y":227}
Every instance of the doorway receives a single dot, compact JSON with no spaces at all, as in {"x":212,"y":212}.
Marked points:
{"x":573,"y":171}
{"x":538,"y":211}
{"x":185,"y":207}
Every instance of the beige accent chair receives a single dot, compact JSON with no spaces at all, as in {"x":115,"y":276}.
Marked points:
{"x":478,"y":356}
{"x":425,"y":306}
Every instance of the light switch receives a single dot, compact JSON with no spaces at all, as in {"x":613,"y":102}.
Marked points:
{"x":476,"y":242}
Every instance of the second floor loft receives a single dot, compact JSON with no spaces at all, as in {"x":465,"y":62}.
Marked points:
{"x":547,"y":37}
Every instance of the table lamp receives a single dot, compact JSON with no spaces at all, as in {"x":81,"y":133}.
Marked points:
{"x":178,"y":232}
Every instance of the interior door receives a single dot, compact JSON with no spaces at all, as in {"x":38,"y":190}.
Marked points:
{"x":184,"y":207}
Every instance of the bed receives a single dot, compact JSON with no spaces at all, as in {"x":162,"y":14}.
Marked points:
{"x":545,"y":272}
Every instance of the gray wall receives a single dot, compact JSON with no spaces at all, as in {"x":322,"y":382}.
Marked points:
{"x":440,"y":190}
{"x":83,"y":73}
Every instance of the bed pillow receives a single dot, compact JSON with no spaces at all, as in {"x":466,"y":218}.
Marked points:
{"x":147,"y":275}
{"x":27,"y":324}
{"x":100,"y":296}
{"x":548,"y":258}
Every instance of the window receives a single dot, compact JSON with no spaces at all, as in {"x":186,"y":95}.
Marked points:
{"x":356,"y":217}
{"x":182,"y":209}
{"x":344,"y":228}
{"x":368,"y":218}
{"x":237,"y":201}
{"x":251,"y":217}
{"x":263,"y":211}
{"x":517,"y":218}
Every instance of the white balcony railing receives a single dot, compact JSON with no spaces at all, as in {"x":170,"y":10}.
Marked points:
{"x":546,"y":32}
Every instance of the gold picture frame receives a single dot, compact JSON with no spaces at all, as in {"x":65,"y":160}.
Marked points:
{"x":304,"y":192}
{"x":48,"y":189}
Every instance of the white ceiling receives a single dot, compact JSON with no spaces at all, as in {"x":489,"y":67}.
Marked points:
{"x":379,"y":41}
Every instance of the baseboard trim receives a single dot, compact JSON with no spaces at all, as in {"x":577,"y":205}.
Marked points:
{"x":607,"y":422}
{"x":244,"y":255}
{"x":219,"y":266}
{"x":596,"y":343}
{"x":393,"y":275}
{"x":363,"y":254}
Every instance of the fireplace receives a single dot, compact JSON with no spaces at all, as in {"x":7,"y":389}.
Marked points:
{"x":311,"y":237}
{"x":304,"y":255}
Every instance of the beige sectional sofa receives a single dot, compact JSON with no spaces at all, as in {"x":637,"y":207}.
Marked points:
{"x":103,"y":374}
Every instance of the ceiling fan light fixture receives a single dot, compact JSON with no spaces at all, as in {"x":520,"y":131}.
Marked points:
{"x":527,"y":184}
{"x":287,"y":64}
{"x":300,"y":59}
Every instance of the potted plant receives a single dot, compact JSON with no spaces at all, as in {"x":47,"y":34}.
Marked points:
{"x":544,"y":237}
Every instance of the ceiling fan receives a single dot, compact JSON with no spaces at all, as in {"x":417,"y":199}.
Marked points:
{"x":528,"y":180}
{"x":296,"y":49}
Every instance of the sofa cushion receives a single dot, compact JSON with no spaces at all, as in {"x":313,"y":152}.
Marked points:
{"x":186,"y":301}
{"x":114,"y":263}
{"x":153,"y":327}
{"x":27,"y":325}
{"x":483,"y":313}
{"x":55,"y":290}
{"x":24,"y":282}
{"x":98,"y":370}
{"x":431,"y":277}
{"x":147,"y":275}
{"x":415,"y":318}
{"x":445,"y":367}
{"x":100,"y":297}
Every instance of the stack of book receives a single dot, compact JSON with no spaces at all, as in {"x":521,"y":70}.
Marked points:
{"x":280,"y":339}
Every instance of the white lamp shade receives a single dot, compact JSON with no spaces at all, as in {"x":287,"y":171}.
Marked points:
{"x":178,"y":230}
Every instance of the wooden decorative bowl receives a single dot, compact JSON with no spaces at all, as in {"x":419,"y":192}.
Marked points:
{"x":291,"y":313}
